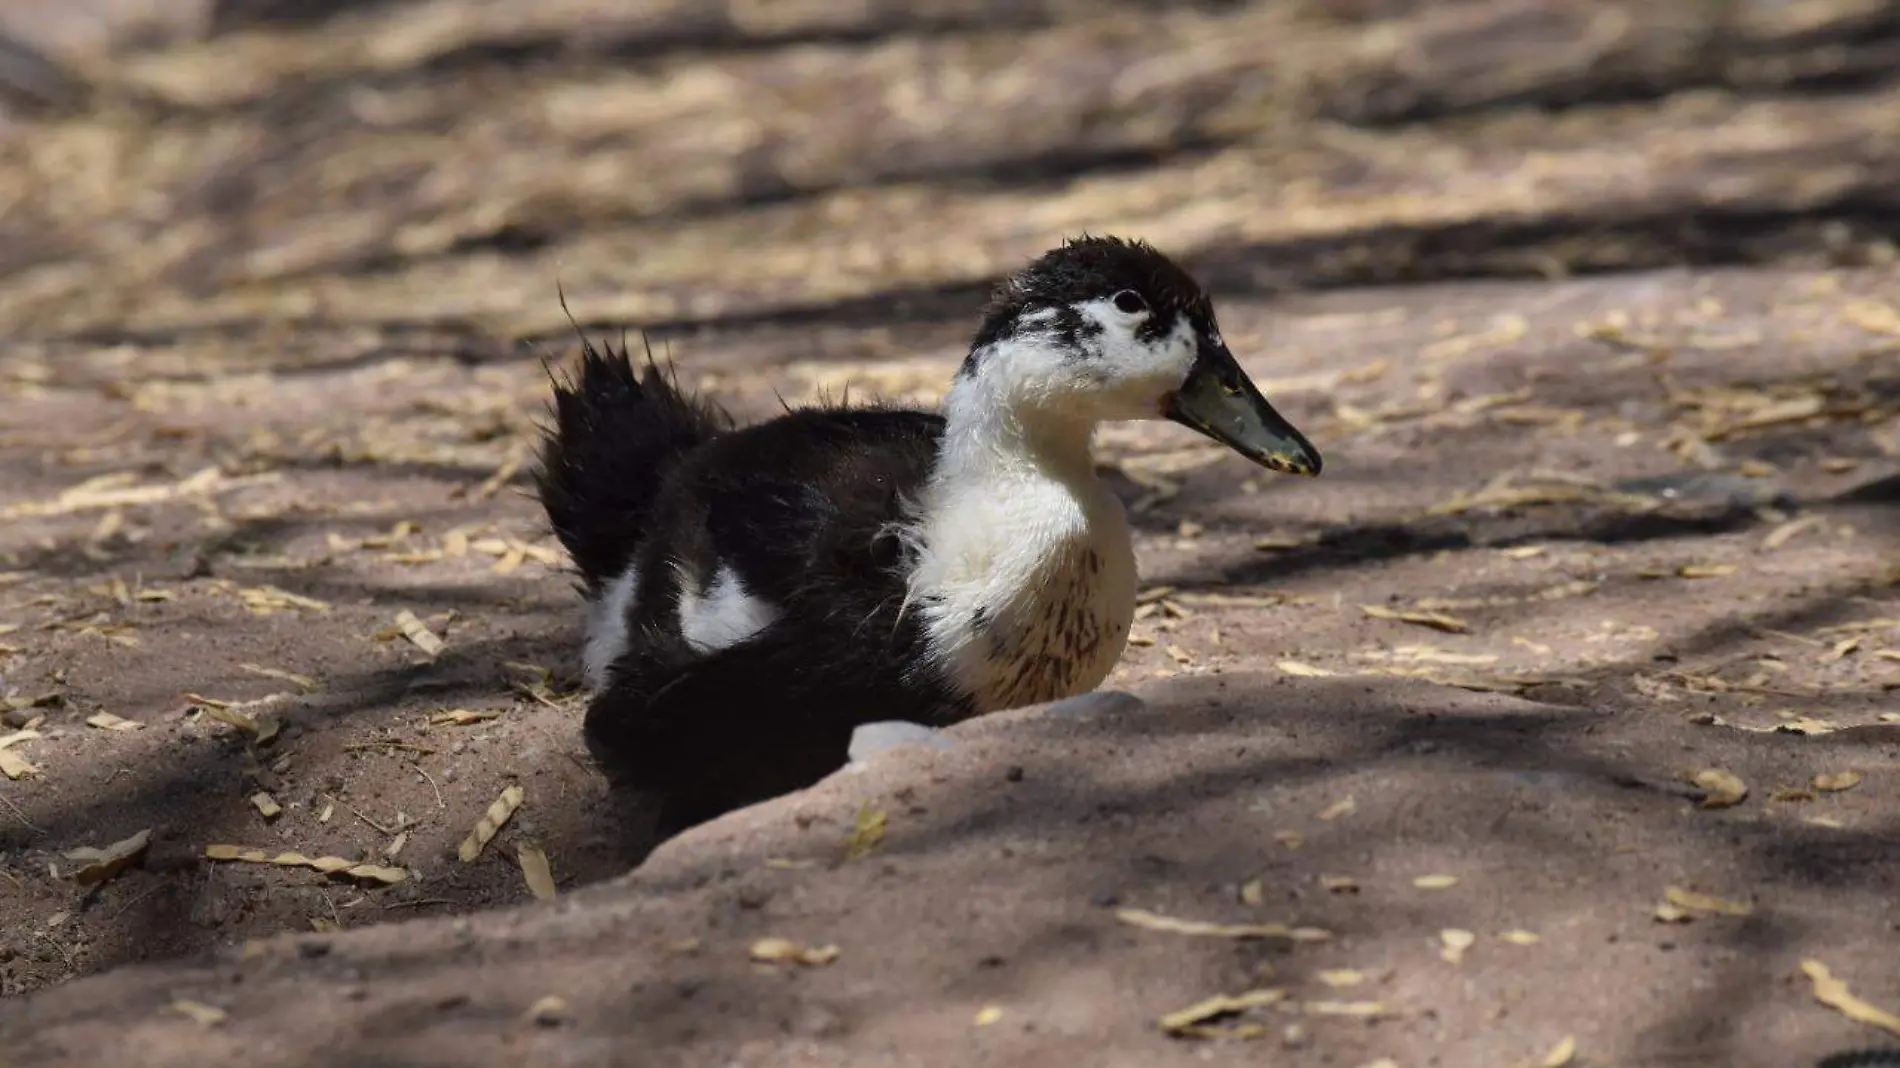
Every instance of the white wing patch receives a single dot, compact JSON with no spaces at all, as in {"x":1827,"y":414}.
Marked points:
{"x":607,"y":626}
{"x":724,"y":615}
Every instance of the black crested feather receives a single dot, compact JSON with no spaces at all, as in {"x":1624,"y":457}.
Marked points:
{"x":1092,"y":268}
{"x":615,"y":437}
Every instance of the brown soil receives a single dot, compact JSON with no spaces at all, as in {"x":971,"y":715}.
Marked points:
{"x":1599,"y":338}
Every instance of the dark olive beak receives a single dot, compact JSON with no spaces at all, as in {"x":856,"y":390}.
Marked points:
{"x":1219,"y":400}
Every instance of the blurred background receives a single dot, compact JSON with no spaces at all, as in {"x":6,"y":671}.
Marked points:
{"x":173,"y":165}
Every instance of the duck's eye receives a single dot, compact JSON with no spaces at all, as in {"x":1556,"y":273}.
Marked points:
{"x":1129,"y":302}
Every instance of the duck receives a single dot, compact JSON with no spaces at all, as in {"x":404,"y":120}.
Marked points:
{"x":754,"y":594}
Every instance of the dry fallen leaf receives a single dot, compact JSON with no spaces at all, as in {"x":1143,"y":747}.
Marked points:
{"x":1561,"y":1054}
{"x":98,"y":865}
{"x":1834,"y":994}
{"x":1435,"y":882}
{"x":1338,"y":977}
{"x":491,"y":822}
{"x":1521,"y":938}
{"x":1154,"y":921}
{"x":1705,"y":571}
{"x":262,"y":729}
{"x":1434,"y":620}
{"x":13,"y":765}
{"x":266,"y":805}
{"x":1308,"y":671}
{"x":326,"y":865}
{"x":1455,"y":943}
{"x":206,"y":1015}
{"x":1784,"y":533}
{"x":1694,"y":902}
{"x":462,"y":717}
{"x":1253,"y":892}
{"x":548,"y":1011}
{"x":1837,"y":782}
{"x":419,"y":633}
{"x":534,"y":868}
{"x":106,"y":721}
{"x":1364,"y":1009}
{"x":1671,"y":914}
{"x":1721,"y":787}
{"x":786,"y":951}
{"x":1189,"y":1022}
{"x":866,"y":834}
{"x":1345,"y":806}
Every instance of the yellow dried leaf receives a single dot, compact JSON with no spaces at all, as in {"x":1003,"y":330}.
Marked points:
{"x":1840,"y":650}
{"x":548,"y":1011}
{"x":266,"y":805}
{"x":98,"y":865}
{"x":106,"y":721}
{"x":1454,"y":943}
{"x":1671,"y":914}
{"x":1289,"y":839}
{"x":866,"y":834}
{"x":1435,"y":882}
{"x":1873,"y":316}
{"x":15,"y":766}
{"x":326,"y":865}
{"x":1705,"y":571}
{"x":1154,"y":921}
{"x":1695,"y":902}
{"x":786,"y":951}
{"x":1434,"y":620}
{"x":987,"y":1015}
{"x":262,"y":729}
{"x":1363,"y":1009}
{"x":491,"y":823}
{"x":302,"y":682}
{"x":1307,"y":671}
{"x":1345,"y":806}
{"x":1181,"y":1021}
{"x":1521,"y":938}
{"x":1722,"y":788}
{"x":1786,"y":794}
{"x":203,"y":1014}
{"x":419,"y":633}
{"x":1253,"y":892}
{"x":1837,"y":782}
{"x":1525,"y":552}
{"x":1338,"y":977}
{"x":534,"y":868}
{"x":1786,"y":532}
{"x":462,"y":717}
{"x":1834,"y":994}
{"x":1561,"y":1054}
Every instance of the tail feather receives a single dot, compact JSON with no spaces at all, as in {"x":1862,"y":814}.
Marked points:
{"x":615,"y":436}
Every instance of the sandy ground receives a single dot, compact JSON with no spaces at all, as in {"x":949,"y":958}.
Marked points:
{"x":1592,"y":554}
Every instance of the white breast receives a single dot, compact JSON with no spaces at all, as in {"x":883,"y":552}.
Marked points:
{"x":1026,"y":585}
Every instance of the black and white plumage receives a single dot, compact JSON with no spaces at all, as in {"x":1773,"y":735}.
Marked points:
{"x":755,"y":594}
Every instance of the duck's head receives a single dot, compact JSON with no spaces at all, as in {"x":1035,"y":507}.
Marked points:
{"x":1105,"y":329}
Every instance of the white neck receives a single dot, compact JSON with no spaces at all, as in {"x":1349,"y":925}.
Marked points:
{"x":986,"y":435}
{"x":1017,"y":538}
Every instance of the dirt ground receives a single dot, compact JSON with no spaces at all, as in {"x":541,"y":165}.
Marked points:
{"x":1560,"y":713}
